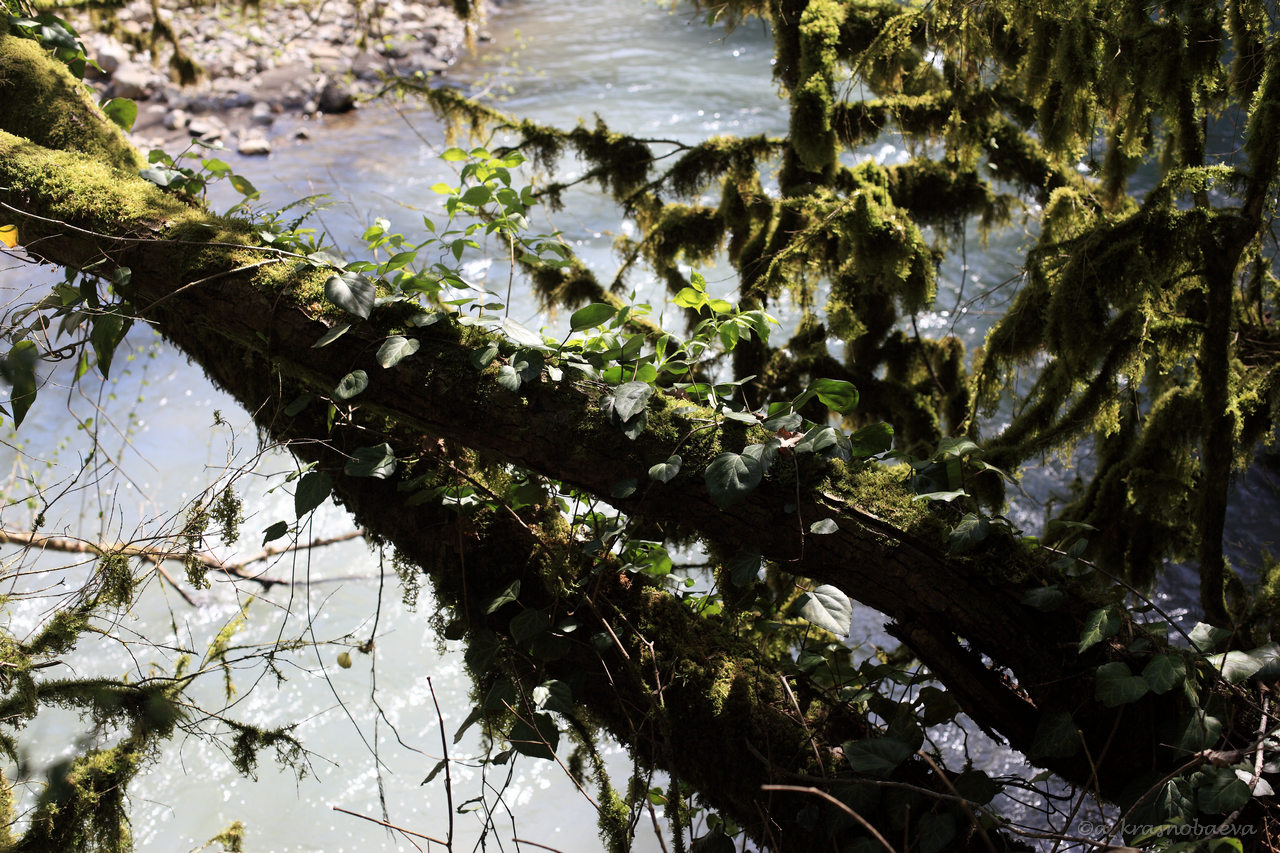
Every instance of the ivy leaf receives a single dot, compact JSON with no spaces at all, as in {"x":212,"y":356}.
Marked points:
{"x":1056,"y":737}
{"x":20,"y":369}
{"x":969,"y":533}
{"x":936,"y":832}
{"x":508,"y":595}
{"x":332,"y":335}
{"x":590,"y":316}
{"x":528,"y":624}
{"x":312,"y":490}
{"x":483,"y":357}
{"x":824,"y":527}
{"x":744,"y":568}
{"x":375,"y":461}
{"x":395,"y":349}
{"x":1235,"y":667}
{"x":352,"y":292}
{"x":1224,"y":793}
{"x":1044,"y":598}
{"x":538,"y":740}
{"x":1164,"y":672}
{"x":730,"y":477}
{"x":624,"y":488}
{"x":1098,"y":626}
{"x":275,"y":531}
{"x":629,"y":399}
{"x":665,"y":472}
{"x":828,"y":608}
{"x":508,"y":378}
{"x":836,"y":394}
{"x":108,"y":331}
{"x":1116,"y":685}
{"x":1206,"y":637}
{"x":875,"y":756}
{"x":351,"y":385}
{"x":528,"y":364}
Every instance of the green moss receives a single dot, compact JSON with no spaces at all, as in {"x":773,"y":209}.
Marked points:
{"x":42,"y":102}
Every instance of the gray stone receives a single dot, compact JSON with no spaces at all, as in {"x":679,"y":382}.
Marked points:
{"x":253,"y":144}
{"x":207,"y":128}
{"x":176,"y":120}
{"x":262,"y":114}
{"x":336,"y":97}
{"x":131,"y":81}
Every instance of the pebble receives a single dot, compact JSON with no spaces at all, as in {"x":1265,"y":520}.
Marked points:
{"x":306,"y":61}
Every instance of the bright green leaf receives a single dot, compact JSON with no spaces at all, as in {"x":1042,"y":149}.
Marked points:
{"x":730,"y":477}
{"x":828,"y":608}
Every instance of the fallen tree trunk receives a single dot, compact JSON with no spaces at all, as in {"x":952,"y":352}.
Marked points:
{"x":250,"y":317}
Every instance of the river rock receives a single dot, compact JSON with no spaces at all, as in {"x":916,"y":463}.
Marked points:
{"x":262,"y":115}
{"x":207,"y":128}
{"x":253,"y":144}
{"x":176,"y":120}
{"x":131,"y":80}
{"x":336,"y":97}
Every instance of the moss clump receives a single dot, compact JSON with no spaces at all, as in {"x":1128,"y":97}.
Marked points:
{"x":42,"y":102}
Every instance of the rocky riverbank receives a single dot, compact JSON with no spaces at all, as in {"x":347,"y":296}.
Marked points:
{"x":303,"y":58}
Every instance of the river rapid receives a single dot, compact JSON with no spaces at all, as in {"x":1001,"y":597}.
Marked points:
{"x":373,"y":728}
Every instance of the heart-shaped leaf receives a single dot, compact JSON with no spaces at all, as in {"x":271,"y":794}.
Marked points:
{"x":828,"y":608}
{"x":275,"y":531}
{"x":352,"y":292}
{"x":665,"y":472}
{"x":376,"y":461}
{"x":629,"y":399}
{"x":332,"y":335}
{"x":395,"y":349}
{"x":312,"y":490}
{"x":1116,"y":685}
{"x":351,"y":385}
{"x":730,"y":477}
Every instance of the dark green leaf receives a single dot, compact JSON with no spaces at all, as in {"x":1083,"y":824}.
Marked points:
{"x":275,"y":531}
{"x":528,"y":624}
{"x":976,"y":787}
{"x":744,"y":568}
{"x":375,"y":461}
{"x":538,"y":740}
{"x":483,"y":357}
{"x":1206,"y":637}
{"x":312,"y":490}
{"x":595,"y":314}
{"x":107,"y":333}
{"x":553,"y":696}
{"x":836,"y":394}
{"x":352,"y":292}
{"x":629,"y":399}
{"x":730,"y":477}
{"x":1044,"y":598}
{"x":508,"y":595}
{"x":548,"y":646}
{"x":875,"y":756}
{"x":1164,"y":672}
{"x":871,"y":440}
{"x":332,"y":335}
{"x":1116,"y":685}
{"x":1056,"y":737}
{"x":969,"y":533}
{"x":1098,"y":626}
{"x":665,"y":472}
{"x":936,"y":831}
{"x":1223,"y":791}
{"x":435,"y":771}
{"x":351,"y":385}
{"x":395,"y":349}
{"x":20,"y":370}
{"x":299,"y":403}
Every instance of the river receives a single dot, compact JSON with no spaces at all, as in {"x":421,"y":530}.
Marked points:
{"x":646,"y":70}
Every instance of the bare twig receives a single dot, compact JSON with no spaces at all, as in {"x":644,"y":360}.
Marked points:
{"x":862,"y":821}
{"x":392,"y":826}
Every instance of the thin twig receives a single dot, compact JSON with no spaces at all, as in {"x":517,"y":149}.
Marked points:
{"x":875,"y":833}
{"x":392,"y":826}
{"x":448,"y":777}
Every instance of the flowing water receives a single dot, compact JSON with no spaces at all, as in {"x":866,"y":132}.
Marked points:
{"x":373,"y":728}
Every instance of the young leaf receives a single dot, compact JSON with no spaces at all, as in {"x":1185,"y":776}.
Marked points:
{"x":871,"y":440}
{"x":312,"y":490}
{"x":828,"y":608}
{"x":730,"y":477}
{"x":9,"y":235}
{"x":352,"y":292}
{"x":590,"y":316}
{"x":508,"y":378}
{"x":536,"y":741}
{"x":275,"y":531}
{"x":395,"y":349}
{"x":508,"y":595}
